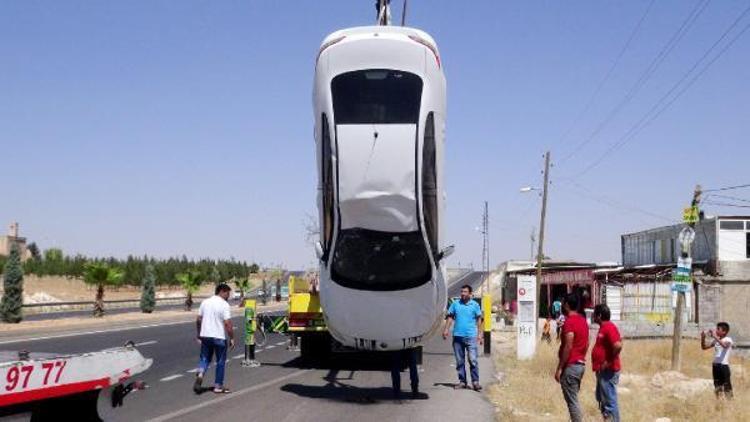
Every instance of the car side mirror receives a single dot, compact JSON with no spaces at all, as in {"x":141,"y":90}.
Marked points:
{"x":445,"y":253}
{"x":319,"y":250}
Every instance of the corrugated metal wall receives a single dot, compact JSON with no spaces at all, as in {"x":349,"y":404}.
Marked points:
{"x":651,"y":301}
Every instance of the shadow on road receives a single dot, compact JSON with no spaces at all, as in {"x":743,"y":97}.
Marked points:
{"x":338,"y":391}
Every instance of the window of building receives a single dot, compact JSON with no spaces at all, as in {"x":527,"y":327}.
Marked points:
{"x":747,"y":225}
{"x":429,"y":185}
{"x":747,"y":245}
{"x":732,"y":225}
{"x":327,"y":185}
{"x":376,"y":96}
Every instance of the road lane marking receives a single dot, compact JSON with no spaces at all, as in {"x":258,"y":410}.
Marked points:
{"x":220,"y":399}
{"x":146,"y":343}
{"x":170,"y":378}
{"x":281,"y":343}
{"x":192,"y":371}
{"x":270,"y":347}
{"x":240,"y":356}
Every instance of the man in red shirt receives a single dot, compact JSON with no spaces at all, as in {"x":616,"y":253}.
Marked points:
{"x":605,"y":360}
{"x":572,"y":356}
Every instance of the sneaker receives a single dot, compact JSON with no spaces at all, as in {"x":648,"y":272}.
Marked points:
{"x":476,"y":386}
{"x":460,"y":386}
{"x":198,"y":385}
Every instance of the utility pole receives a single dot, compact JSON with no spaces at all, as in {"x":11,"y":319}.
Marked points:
{"x":403,"y":13}
{"x":532,"y":237}
{"x":486,"y":248}
{"x":540,"y":251}
{"x":686,"y":240}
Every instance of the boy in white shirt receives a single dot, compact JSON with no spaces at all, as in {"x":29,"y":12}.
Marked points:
{"x":722,"y":345}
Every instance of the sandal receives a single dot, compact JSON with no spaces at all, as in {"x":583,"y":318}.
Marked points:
{"x":222,"y":390}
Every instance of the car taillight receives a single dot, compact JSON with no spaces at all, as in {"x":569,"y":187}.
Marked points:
{"x":328,"y":44}
{"x":427,"y":44}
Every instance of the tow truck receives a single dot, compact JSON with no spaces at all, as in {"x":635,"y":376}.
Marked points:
{"x":89,"y":386}
{"x":306,"y":321}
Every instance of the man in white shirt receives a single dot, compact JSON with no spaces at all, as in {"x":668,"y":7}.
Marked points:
{"x":722,"y":345}
{"x":214,"y":327}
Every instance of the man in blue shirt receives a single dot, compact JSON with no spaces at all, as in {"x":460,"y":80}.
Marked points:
{"x":465,"y":316}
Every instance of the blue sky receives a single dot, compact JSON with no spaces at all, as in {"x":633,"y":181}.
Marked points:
{"x":169,"y":128}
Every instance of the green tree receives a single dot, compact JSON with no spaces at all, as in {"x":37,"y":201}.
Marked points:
{"x":215,"y":276}
{"x":148,"y":290}
{"x":34,"y":251}
{"x":53,"y":262}
{"x":254,"y":268}
{"x":11,"y":306}
{"x":101,"y":274}
{"x":191,"y":282}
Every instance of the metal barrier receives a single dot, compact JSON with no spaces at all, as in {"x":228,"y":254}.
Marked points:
{"x":70,"y":305}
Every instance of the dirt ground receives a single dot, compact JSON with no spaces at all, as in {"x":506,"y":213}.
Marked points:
{"x":63,"y":289}
{"x":527,"y":391}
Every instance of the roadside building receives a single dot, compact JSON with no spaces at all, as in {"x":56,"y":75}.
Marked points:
{"x":12,"y":238}
{"x":721,"y":269}
{"x":559,"y":278}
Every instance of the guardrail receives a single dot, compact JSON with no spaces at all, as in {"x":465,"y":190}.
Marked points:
{"x":54,"y":307}
{"x":106,"y":302}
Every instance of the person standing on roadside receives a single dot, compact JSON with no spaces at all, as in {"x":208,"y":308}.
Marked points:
{"x":465,"y":316}
{"x":214,"y":327}
{"x":572,"y":356}
{"x":605,"y":361}
{"x":722,"y":345}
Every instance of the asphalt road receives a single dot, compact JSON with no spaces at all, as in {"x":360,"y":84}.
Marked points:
{"x":283,"y":388}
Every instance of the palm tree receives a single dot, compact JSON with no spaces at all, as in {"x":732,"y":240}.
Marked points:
{"x":190,"y":281}
{"x":243,"y":285}
{"x":100,"y":274}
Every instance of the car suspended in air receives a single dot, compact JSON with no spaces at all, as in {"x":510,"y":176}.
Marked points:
{"x":379,"y":101}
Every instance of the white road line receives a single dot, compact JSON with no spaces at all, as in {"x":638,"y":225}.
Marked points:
{"x":146,"y":343}
{"x":192,"y":371}
{"x":240,"y":356}
{"x":220,"y":399}
{"x":170,"y":378}
{"x":281,"y":343}
{"x":270,"y":347}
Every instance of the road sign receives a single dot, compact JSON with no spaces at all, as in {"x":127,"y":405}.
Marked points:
{"x":690,"y":215}
{"x":527,"y":321}
{"x":681,"y":279}
{"x":686,"y":239}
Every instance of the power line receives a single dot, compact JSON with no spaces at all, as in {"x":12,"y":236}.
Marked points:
{"x":645,"y":76}
{"x":606,"y":77}
{"x":721,"y":204}
{"x":734,"y":198}
{"x":727,"y":188}
{"x":655,"y":111}
{"x":605,"y":200}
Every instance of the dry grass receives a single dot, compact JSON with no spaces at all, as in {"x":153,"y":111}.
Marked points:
{"x":527,"y":390}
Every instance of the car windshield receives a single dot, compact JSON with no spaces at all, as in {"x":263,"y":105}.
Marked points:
{"x":374,"y":260}
{"x":376,"y":96}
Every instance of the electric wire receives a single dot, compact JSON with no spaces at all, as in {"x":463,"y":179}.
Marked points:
{"x":606,"y":77}
{"x":655,"y":111}
{"x":645,"y":76}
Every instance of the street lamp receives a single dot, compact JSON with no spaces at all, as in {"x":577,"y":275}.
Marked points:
{"x":527,"y":189}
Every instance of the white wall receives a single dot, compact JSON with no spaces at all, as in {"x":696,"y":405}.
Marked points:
{"x":732,"y":245}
